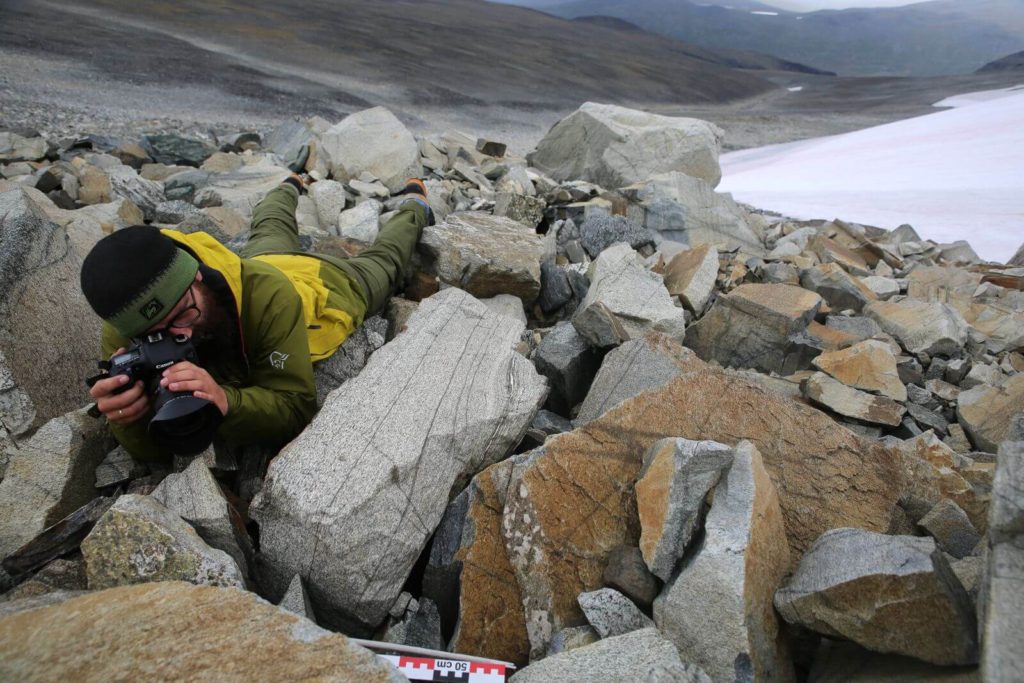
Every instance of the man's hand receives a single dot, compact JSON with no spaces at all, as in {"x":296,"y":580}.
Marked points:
{"x":121,"y":409}
{"x":185,"y":376}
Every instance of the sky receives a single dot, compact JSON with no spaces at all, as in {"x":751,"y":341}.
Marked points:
{"x":953,"y":175}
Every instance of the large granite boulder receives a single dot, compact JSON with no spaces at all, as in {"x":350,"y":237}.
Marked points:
{"x":40,"y":302}
{"x":985,"y":411}
{"x":1002,"y":615}
{"x":446,"y":398}
{"x":138,"y":540}
{"x":50,"y":476}
{"x":921,"y":327}
{"x":754,"y":326}
{"x":485,"y":255}
{"x":888,"y":593}
{"x":239,"y":189}
{"x":643,"y":655}
{"x":614,"y":146}
{"x":625,"y":301}
{"x":174,"y":631}
{"x":589,"y":474}
{"x":685,"y":209}
{"x":675,"y":479}
{"x":372,"y":141}
{"x":718,"y":610}
{"x":469,"y":574}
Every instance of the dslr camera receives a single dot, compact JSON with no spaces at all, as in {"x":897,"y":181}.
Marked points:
{"x":182,"y":423}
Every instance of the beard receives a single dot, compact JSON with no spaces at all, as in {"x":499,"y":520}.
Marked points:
{"x":215,"y":334}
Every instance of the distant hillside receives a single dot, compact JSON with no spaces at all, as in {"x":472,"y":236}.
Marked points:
{"x":1014,"y":62}
{"x":736,"y":59}
{"x":434,"y":52}
{"x":927,"y":39}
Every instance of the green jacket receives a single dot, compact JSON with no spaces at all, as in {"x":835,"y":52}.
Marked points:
{"x":291,"y":310}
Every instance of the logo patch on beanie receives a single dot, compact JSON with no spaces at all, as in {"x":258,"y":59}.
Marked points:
{"x":151,"y":309}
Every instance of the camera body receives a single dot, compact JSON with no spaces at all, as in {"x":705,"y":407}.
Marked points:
{"x":182,"y":423}
{"x":149,"y":356}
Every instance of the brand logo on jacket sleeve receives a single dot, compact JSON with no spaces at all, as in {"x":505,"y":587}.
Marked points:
{"x":277,"y":359}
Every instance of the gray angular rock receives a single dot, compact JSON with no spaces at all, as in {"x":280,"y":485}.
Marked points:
{"x":139,"y":540}
{"x":851,"y":580}
{"x":676,"y":476}
{"x":614,"y":146}
{"x":837,"y":287}
{"x":599,"y":232}
{"x":732,"y":579}
{"x":555,"y":291}
{"x":174,"y":212}
{"x":921,"y":327}
{"x":349,"y":360}
{"x":330,"y":198}
{"x":612,"y":660}
{"x":40,"y":300}
{"x":632,"y":368}
{"x":687,"y":210}
{"x":485,"y":255}
{"x":361,"y":222}
{"x":445,"y":399}
{"x":753,"y":326}
{"x":928,"y":419}
{"x":985,"y":412}
{"x":822,"y":390}
{"x":171,"y":148}
{"x":1002,"y":613}
{"x":296,"y":600}
{"x":951,"y":528}
{"x":17,"y":147}
{"x":195,"y":496}
{"x":625,"y":301}
{"x":627,"y":573}
{"x":118,"y":467}
{"x":290,"y":136}
{"x":420,"y":626}
{"x":691,"y":276}
{"x":611,"y":613}
{"x":50,"y":476}
{"x":884,"y":288}
{"x":374,"y":141}
{"x":520,"y":207}
{"x":569,"y":363}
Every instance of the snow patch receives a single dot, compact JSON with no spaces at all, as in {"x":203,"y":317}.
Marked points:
{"x":955,"y":174}
{"x":795,"y":88}
{"x":765,"y":14}
{"x":981,"y":96}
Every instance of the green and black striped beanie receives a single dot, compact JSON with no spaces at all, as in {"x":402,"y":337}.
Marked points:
{"x":134,"y":277}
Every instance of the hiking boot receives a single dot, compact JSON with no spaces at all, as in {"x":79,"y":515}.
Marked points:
{"x":416,"y":189}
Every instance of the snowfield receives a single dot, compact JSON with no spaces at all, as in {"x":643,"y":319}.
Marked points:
{"x":953,"y":175}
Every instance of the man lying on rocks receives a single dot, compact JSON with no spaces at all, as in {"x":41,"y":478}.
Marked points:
{"x":258,"y":322}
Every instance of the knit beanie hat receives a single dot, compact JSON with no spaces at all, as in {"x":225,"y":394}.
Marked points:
{"x":134,"y":277}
